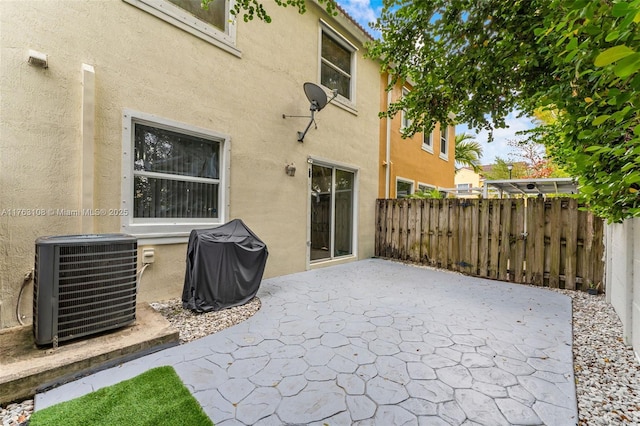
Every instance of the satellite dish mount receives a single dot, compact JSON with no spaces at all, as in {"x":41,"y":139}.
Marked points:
{"x":318,"y":100}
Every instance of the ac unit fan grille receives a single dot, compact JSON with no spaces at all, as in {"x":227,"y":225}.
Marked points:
{"x":96,"y":287}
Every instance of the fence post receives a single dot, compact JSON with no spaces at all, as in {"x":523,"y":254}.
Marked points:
{"x":443,"y":234}
{"x":555,"y":221}
{"x":484,"y":237}
{"x":503,"y":262}
{"x":535,"y":241}
{"x":518,"y":252}
{"x":571,"y":245}
{"x":413,"y":227}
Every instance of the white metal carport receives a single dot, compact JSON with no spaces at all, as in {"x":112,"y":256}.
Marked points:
{"x":531,"y":187}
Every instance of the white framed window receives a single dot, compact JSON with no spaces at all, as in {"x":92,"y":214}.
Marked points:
{"x":405,"y":119}
{"x":338,"y":65}
{"x":175,"y":177}
{"x":444,"y":142}
{"x":463,"y":188}
{"x":427,"y":141}
{"x":424,"y":187}
{"x":215,"y":25}
{"x":404,"y":187}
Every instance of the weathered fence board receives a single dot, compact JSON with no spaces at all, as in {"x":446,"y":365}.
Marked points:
{"x":474,"y":212}
{"x":518,"y":253}
{"x":555,"y":221}
{"x":505,"y":241}
{"x":454,"y":228}
{"x":535,"y":241}
{"x":571,"y":246}
{"x":494,"y":239}
{"x":534,"y":257}
{"x":483,"y":231}
{"x":413,"y":238}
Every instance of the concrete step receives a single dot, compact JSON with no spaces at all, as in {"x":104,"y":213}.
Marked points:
{"x":26,"y":369}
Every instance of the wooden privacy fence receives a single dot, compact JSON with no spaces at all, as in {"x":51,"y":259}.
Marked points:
{"x":535,"y":241}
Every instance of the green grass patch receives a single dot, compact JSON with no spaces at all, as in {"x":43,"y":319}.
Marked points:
{"x":156,"y":397}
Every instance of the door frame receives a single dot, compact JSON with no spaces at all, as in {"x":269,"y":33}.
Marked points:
{"x":311,"y":160}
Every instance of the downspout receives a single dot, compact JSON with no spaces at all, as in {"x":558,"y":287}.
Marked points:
{"x":387,"y":172}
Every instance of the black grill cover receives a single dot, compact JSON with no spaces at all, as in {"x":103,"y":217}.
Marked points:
{"x":224,"y":267}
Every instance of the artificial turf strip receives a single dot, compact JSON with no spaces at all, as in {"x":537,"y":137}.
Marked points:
{"x":156,"y":397}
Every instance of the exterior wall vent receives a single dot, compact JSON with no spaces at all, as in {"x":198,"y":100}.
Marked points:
{"x":83,"y":284}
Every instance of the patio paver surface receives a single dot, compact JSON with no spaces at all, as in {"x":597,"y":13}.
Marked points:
{"x":376,"y":342}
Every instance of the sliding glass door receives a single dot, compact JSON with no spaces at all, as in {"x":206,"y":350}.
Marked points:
{"x":332,"y":212}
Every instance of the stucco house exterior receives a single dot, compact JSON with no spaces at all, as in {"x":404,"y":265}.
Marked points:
{"x":468,"y":183}
{"x":422,"y":162}
{"x":148,"y":120}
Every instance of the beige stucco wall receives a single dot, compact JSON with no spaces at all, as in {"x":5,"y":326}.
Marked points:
{"x":465,"y":175}
{"x":145,"y":64}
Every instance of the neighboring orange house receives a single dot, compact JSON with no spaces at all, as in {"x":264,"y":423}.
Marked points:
{"x":422,"y":162}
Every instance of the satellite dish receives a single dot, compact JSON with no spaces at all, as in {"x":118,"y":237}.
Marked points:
{"x":316,"y":96}
{"x":318,"y":99}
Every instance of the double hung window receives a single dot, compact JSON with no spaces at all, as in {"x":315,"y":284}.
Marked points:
{"x":444,"y":142}
{"x":406,"y":122}
{"x":176,"y":176}
{"x":427,"y":141}
{"x":337,"y":64}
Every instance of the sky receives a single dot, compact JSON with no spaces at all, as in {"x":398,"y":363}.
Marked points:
{"x":365,"y":11}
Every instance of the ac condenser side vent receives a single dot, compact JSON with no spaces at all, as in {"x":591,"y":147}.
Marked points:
{"x":83,"y":284}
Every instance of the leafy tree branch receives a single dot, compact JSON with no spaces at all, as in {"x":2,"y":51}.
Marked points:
{"x":250,"y":9}
{"x":482,"y":59}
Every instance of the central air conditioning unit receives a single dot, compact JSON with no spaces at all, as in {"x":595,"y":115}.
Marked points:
{"x":83,"y":284}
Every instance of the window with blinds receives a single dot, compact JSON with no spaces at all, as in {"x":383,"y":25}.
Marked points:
{"x":176,"y":175}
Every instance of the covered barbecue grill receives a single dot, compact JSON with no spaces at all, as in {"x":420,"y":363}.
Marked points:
{"x":224,"y":267}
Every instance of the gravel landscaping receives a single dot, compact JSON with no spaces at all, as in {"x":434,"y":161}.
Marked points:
{"x":606,"y":371}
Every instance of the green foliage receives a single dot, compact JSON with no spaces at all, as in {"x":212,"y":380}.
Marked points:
{"x":157,"y":397}
{"x":597,"y":132}
{"x":483,"y":59}
{"x":500,"y":170}
{"x":468,"y":152}
{"x":468,"y":57}
{"x":430,"y":193}
{"x":254,"y":8}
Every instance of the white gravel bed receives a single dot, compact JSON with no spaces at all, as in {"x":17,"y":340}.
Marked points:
{"x":606,"y":371}
{"x":193,"y":326}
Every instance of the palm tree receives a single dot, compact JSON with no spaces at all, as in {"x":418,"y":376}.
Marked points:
{"x":468,"y":152}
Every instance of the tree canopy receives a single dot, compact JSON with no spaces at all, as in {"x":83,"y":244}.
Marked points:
{"x":484,"y":59}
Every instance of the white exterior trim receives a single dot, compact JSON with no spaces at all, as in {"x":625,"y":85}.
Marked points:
{"x":341,"y":101}
{"x":87,"y":148}
{"x":444,"y":134}
{"x":425,"y":185}
{"x":172,"y":14}
{"x":311,"y":160}
{"x":405,"y":180}
{"x":424,"y":146}
{"x":161,"y":231}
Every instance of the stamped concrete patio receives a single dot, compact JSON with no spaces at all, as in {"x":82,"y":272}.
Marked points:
{"x":376,"y":342}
